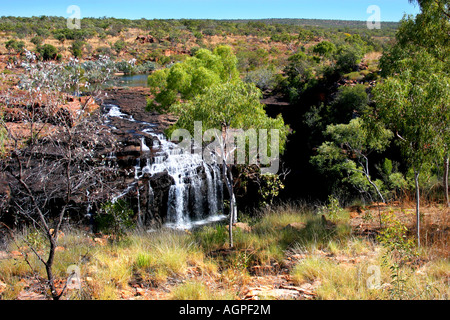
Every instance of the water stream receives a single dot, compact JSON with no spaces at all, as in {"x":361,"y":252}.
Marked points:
{"x":196,"y":196}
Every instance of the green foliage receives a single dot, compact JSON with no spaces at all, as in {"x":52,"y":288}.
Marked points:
{"x":119,"y":45}
{"x":415,"y":103}
{"x":37,"y":40}
{"x":324,"y":48}
{"x":332,"y":210}
{"x":300,"y":68}
{"x":47,"y":52}
{"x":77,"y":48}
{"x":115,"y":218}
{"x":249,"y":60}
{"x":399,"y":250}
{"x":126,"y":67}
{"x":348,"y":57}
{"x":15,"y":45}
{"x":228,"y":104}
{"x":395,"y":181}
{"x":427,"y":31}
{"x":73,"y":34}
{"x":349,"y":101}
{"x":347,"y":153}
{"x":270,"y":186}
{"x":263,"y":78}
{"x":394,"y":234}
{"x":192,"y":77}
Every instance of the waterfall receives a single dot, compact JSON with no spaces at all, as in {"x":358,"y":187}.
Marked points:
{"x":193,"y":198}
{"x":212,"y":194}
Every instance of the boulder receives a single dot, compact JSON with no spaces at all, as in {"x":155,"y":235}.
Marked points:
{"x":2,"y":287}
{"x":295,"y":226}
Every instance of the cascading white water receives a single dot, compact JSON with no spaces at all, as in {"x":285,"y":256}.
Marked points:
{"x":189,"y":196}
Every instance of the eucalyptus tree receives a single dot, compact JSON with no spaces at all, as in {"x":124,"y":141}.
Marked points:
{"x":207,"y":88}
{"x":414,"y":103}
{"x":348,"y":152}
{"x":229,"y":111}
{"x":426,"y":33}
{"x":185,"y":80}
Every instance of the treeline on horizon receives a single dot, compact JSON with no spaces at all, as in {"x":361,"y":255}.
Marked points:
{"x":45,"y":26}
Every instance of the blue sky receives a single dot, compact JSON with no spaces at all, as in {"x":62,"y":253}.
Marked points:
{"x":390,"y":10}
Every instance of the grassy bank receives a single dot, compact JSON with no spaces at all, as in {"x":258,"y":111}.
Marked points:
{"x":288,"y":247}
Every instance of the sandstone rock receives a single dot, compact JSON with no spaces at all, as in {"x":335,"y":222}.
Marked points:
{"x":242,"y":226}
{"x":140,"y":291}
{"x":295,"y":226}
{"x":2,"y":287}
{"x":16,"y":253}
{"x":126,"y":294}
{"x":60,"y":233}
{"x":30,"y":295}
{"x":101,"y":241}
{"x":4,"y":255}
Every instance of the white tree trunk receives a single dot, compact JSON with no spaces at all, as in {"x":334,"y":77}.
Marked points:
{"x":416,"y":179}
{"x":446,"y":181}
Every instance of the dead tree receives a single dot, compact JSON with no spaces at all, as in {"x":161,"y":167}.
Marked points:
{"x":61,"y":161}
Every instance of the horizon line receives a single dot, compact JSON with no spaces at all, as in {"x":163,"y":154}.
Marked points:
{"x":217,"y":19}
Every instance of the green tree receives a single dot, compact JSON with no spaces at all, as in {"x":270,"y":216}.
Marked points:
{"x":47,"y":52}
{"x":185,"y":80}
{"x":348,"y":152}
{"x":350,"y":101}
{"x":224,"y":107}
{"x":324,"y":48}
{"x":413,"y":103}
{"x":119,"y":45}
{"x":13,"y":44}
{"x":77,"y":48}
{"x":348,"y":57}
{"x":300,"y":67}
{"x":427,"y":32}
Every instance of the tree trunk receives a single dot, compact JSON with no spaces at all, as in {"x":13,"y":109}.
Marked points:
{"x":49,"y":266}
{"x":446,"y":181}
{"x":232,"y":197}
{"x":416,"y":179}
{"x":229,"y":185}
{"x":376,"y":188}
{"x":228,"y":180}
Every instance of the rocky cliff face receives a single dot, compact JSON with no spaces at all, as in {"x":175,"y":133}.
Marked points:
{"x":122,"y":155}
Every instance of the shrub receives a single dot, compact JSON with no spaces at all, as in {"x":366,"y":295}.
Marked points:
{"x":119,"y":45}
{"x":324,"y":48}
{"x":77,"y":48}
{"x":263,"y":78}
{"x":103,"y":51}
{"x":47,"y":52}
{"x":37,"y":41}
{"x":115,"y":218}
{"x":13,"y":44}
{"x":348,"y":57}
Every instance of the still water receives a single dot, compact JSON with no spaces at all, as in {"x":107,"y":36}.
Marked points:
{"x":135,"y":80}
